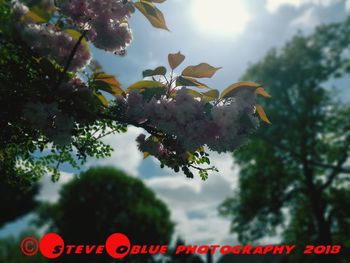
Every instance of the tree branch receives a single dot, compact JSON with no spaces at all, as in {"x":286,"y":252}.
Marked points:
{"x":144,"y":126}
{"x":70,"y":58}
{"x":339,"y":169}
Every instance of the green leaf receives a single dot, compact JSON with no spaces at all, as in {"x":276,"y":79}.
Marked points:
{"x":107,"y":83}
{"x":232,"y":90}
{"x":156,"y":72}
{"x":203,"y":174}
{"x":175,"y":59}
{"x":146,"y":84}
{"x":152,"y":13}
{"x":189,"y":82}
{"x":150,"y":93}
{"x":211,"y":95}
{"x":262,"y":114}
{"x":207,"y":109}
{"x":202,"y":70}
{"x":194,"y":93}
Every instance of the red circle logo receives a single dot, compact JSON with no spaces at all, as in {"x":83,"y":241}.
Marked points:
{"x":51,"y":245}
{"x":29,"y":246}
{"x":117,"y":245}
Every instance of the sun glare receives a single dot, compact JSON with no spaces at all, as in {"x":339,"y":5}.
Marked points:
{"x":220,"y":17}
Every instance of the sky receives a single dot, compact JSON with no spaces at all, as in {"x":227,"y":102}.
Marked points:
{"x":247,"y":31}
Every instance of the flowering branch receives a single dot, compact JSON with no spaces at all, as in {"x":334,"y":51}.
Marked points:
{"x":180,"y":113}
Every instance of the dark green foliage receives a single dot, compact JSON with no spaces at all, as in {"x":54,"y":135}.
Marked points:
{"x":293,"y":172}
{"x":50,"y":115}
{"x":26,"y":78}
{"x":15,"y":201}
{"x":182,"y":258}
{"x":10,"y":250}
{"x":103,"y":201}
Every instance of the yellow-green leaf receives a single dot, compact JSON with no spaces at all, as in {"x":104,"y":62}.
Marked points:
{"x":231,"y":90}
{"x":114,"y":90}
{"x":191,"y":157}
{"x":76,"y":35}
{"x":262,"y":92}
{"x":152,"y":13}
{"x":37,"y":60}
{"x":202,"y":70}
{"x":189,"y":82}
{"x":155,"y":72}
{"x":38,"y":14}
{"x":201,"y":149}
{"x":35,"y":17}
{"x":211,"y":95}
{"x":207,"y":96}
{"x":262,"y":114}
{"x":145,"y":155}
{"x":102,"y":99}
{"x":144,"y":84}
{"x":175,"y":59}
{"x":109,"y":79}
{"x":194,"y":93}
{"x":107,"y":83}
{"x":44,"y":11}
{"x":154,"y":138}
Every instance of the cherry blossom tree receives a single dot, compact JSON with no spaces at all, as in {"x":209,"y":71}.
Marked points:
{"x":67,"y":103}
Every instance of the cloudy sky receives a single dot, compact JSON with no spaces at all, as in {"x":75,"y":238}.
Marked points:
{"x":226,"y":33}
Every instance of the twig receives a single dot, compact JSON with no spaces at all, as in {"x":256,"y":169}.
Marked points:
{"x":70,"y":58}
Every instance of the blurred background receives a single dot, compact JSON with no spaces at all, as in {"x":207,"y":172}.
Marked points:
{"x":290,"y":184}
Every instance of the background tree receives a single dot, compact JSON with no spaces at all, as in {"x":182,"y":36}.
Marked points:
{"x":103,"y":201}
{"x":10,"y":249}
{"x":16,"y":201}
{"x":182,"y":258}
{"x":293,"y":173}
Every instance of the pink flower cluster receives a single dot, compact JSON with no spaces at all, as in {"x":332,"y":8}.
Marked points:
{"x":106,"y":19}
{"x":47,"y":41}
{"x":194,"y":122}
{"x":47,"y":118}
{"x":106,"y":22}
{"x":75,"y":85}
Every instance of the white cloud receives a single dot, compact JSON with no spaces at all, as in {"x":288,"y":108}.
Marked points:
{"x":49,"y":191}
{"x":14,"y":228}
{"x":347,"y":5}
{"x":308,"y":19}
{"x":274,"y":5}
{"x":193,"y":203}
{"x":125,"y":156}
